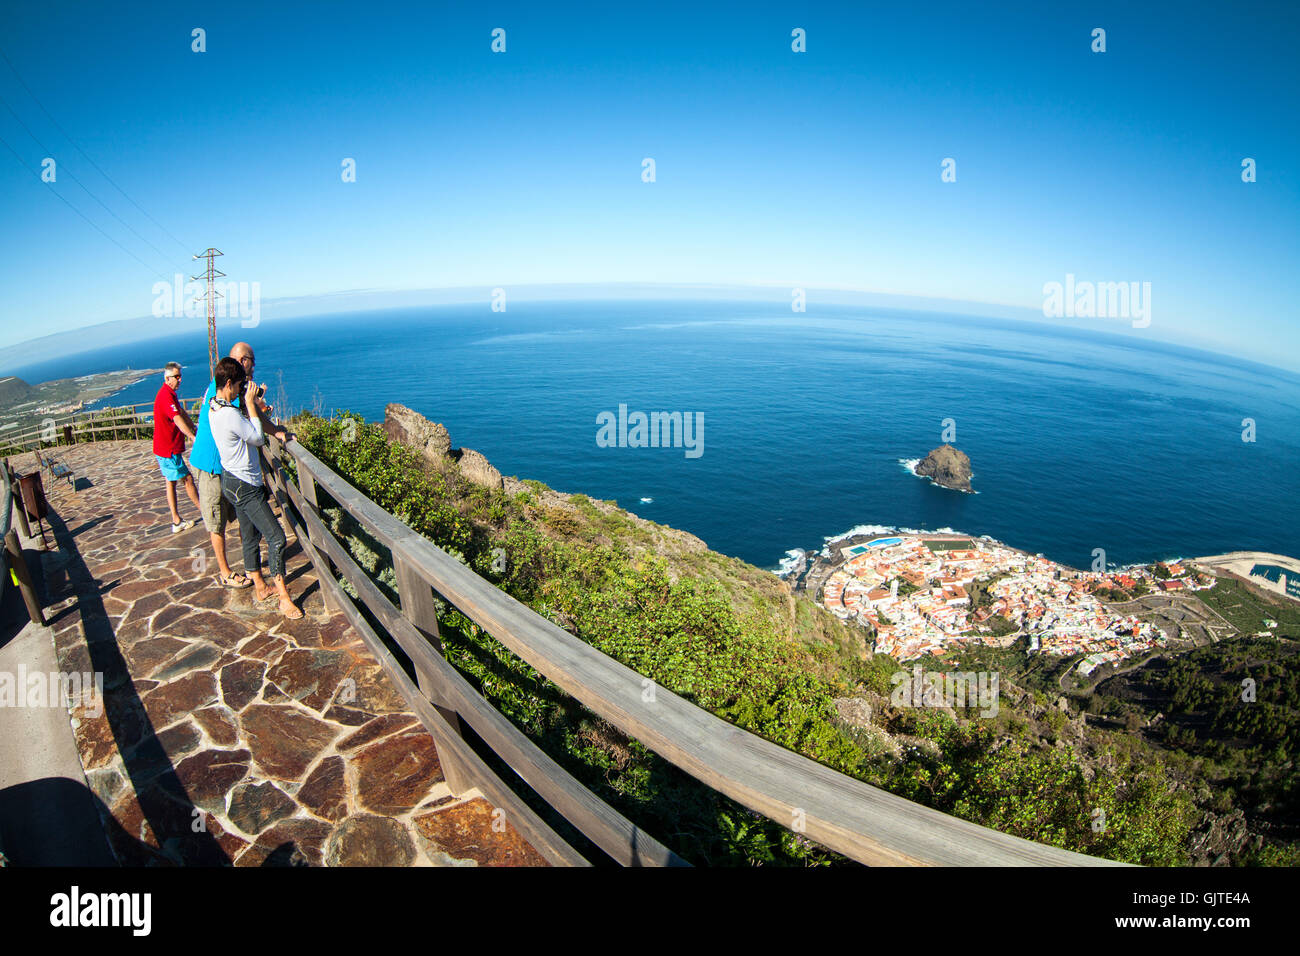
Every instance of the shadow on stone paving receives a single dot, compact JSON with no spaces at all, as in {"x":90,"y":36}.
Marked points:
{"x":163,"y":802}
{"x":13,"y":611}
{"x":59,"y":822}
{"x":55,"y":822}
{"x":87,"y":525}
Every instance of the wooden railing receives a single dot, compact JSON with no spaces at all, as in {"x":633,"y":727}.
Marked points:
{"x":6,"y":510}
{"x":859,"y":821}
{"x":12,"y":563}
{"x":133,"y":421}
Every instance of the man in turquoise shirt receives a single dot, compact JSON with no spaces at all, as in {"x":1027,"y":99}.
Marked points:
{"x":205,"y":462}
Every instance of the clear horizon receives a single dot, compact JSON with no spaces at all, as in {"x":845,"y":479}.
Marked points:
{"x":230,"y":331}
{"x":773,"y":168}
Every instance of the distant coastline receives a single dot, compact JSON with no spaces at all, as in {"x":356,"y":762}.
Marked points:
{"x":29,"y":406}
{"x":101,"y":401}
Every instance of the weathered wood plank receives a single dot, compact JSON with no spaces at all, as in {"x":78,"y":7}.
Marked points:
{"x":456,"y":773}
{"x":14,"y":561}
{"x":419,"y":609}
{"x":604,"y":826}
{"x":16,"y":503}
{"x":312,"y":506}
{"x":6,"y":510}
{"x":452,"y":746}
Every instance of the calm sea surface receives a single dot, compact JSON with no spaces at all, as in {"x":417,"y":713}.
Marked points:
{"x":1077,"y":440}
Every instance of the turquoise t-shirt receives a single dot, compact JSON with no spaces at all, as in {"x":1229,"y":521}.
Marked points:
{"x":204,"y":453}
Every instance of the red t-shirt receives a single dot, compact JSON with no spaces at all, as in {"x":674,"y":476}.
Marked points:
{"x":168,"y":440}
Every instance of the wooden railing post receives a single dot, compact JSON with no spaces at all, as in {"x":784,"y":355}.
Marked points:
{"x":419,"y":608}
{"x":19,"y":566}
{"x":18,"y":503}
{"x":21,"y":510}
{"x":307,"y":485}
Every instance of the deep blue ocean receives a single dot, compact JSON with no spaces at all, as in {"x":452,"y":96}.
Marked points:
{"x":1077,"y":440}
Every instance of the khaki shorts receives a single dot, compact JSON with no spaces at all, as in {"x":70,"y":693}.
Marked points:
{"x":216,"y":510}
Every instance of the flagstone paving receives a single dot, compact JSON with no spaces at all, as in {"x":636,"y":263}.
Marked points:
{"x":227,"y":734}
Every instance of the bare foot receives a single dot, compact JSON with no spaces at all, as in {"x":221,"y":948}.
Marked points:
{"x":289,"y":609}
{"x":261,"y":592}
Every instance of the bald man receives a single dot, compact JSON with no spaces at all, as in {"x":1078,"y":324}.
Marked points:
{"x":206,"y":464}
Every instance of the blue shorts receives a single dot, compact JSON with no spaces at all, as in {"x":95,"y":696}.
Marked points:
{"x":173,"y":468}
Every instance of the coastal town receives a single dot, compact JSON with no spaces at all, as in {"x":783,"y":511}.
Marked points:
{"x":930,"y":594}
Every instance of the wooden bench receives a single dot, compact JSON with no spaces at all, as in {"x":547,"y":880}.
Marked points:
{"x":57,"y":469}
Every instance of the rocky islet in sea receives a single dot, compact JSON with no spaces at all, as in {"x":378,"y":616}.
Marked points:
{"x":948,"y":467}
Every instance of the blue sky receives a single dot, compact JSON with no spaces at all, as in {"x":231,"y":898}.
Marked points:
{"x":819,"y":169}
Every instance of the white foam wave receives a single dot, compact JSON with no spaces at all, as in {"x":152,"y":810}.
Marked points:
{"x":515,"y":338}
{"x":792,"y":560}
{"x":909,"y":465}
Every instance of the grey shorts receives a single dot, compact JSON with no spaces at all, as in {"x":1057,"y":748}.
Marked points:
{"x":216,"y":510}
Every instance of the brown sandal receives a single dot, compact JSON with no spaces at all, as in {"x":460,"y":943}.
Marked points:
{"x":235,"y":580}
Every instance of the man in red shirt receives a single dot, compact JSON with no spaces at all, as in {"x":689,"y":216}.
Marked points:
{"x":170,"y":426}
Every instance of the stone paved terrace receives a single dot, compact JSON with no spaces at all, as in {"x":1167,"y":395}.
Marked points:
{"x":218,"y":710}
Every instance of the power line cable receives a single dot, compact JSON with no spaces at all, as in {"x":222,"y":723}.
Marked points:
{"x":89,"y":222}
{"x":49,"y":152}
{"x":87,"y":158}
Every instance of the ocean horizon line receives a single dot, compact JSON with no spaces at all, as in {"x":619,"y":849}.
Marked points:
{"x":1069,"y":329}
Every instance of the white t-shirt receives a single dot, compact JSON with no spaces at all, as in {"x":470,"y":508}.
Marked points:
{"x":236,"y":436}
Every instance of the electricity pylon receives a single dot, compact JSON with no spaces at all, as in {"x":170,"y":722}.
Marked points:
{"x":211,"y":296}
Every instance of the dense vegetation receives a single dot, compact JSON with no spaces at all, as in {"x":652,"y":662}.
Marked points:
{"x":1127,"y":814}
{"x":732,"y":640}
{"x":1235,"y":709}
{"x":1189,"y":713}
